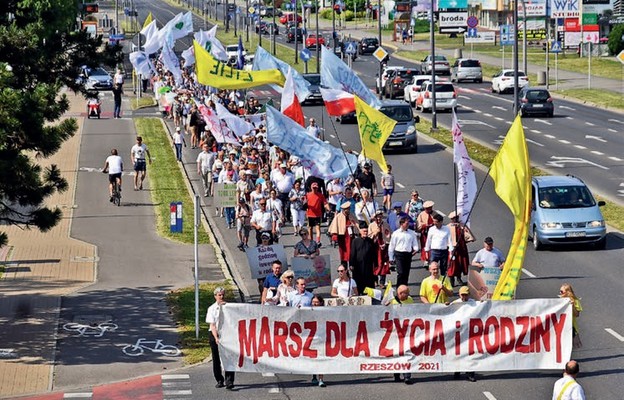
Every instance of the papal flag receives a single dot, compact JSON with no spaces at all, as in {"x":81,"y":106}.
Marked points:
{"x":148,"y":20}
{"x":511,"y":172}
{"x":375,"y":128}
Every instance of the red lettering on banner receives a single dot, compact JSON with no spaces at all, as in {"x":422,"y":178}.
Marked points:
{"x":280,"y":334}
{"x":361,"y":340}
{"x":332,"y":336}
{"x":417,"y":349}
{"x":524,"y":322}
{"x":457,"y":337}
{"x":558,"y":328}
{"x":401,"y":329}
{"x":438,"y":344}
{"x":307,"y":351}
{"x":344,"y":350}
{"x":295,"y":330}
{"x":508,"y":335}
{"x":475,"y":333}
{"x":247,"y":341}
{"x":386,"y":324}
{"x":264,"y":342}
{"x":491,"y":347}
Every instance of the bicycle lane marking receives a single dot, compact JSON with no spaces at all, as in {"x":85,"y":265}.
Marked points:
{"x":149,"y":388}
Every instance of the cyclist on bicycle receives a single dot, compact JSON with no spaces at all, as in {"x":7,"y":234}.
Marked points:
{"x":114,"y":167}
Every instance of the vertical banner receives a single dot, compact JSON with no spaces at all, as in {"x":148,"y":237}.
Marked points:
{"x":316,"y":271}
{"x":422,"y":338}
{"x":261,"y":258}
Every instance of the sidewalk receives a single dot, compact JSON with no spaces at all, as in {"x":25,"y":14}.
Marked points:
{"x":41,"y":267}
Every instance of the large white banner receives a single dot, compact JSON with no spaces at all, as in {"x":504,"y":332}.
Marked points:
{"x":481,"y":336}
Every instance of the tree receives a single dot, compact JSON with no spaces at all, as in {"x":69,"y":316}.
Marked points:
{"x":41,"y":52}
{"x":615,"y":43}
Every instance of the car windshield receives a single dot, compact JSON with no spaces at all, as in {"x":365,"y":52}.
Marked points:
{"x":438,"y":58}
{"x":537,"y":95}
{"x":408,"y":73}
{"x":313,"y":79}
{"x":98,"y":71}
{"x":444,"y":87}
{"x":370,"y":41}
{"x":231,"y":48}
{"x":565,"y":197}
{"x":399,"y":113}
{"x":470,"y":64}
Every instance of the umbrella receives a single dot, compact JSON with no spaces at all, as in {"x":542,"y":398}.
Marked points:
{"x":164,"y":89}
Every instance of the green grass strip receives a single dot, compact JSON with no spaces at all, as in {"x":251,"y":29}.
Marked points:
{"x":599,"y":97}
{"x":167,"y":182}
{"x":182,"y":305}
{"x":142,"y":102}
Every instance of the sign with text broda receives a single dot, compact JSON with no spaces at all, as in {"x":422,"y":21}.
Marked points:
{"x":450,"y":19}
{"x":481,"y":336}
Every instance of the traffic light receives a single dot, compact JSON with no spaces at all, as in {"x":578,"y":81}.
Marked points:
{"x":90,"y":8}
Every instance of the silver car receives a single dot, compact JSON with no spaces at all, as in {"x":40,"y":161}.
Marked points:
{"x":96,"y":78}
{"x":442,"y":65}
{"x":465,"y":69}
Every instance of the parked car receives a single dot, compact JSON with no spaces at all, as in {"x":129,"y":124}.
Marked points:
{"x":232,"y":53}
{"x":442,"y":66}
{"x":464,"y":69}
{"x":403,"y":136}
{"x":289,"y":17}
{"x":412,"y":89}
{"x":446,"y":96}
{"x":295,"y":34}
{"x":312,"y":41}
{"x":267,"y":28}
{"x":95,"y":78}
{"x":270,"y":11}
{"x":384,"y":76}
{"x":397,"y":79}
{"x":315,"y":88}
{"x":503,"y":81}
{"x":368,"y":45}
{"x":535,"y":101}
{"x":564,"y":211}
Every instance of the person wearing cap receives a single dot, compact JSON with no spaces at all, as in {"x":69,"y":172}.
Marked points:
{"x":433,"y":289}
{"x":464,"y":298}
{"x":205,"y":162}
{"x":363,"y":259}
{"x":342,"y":228}
{"x":459,"y":261}
{"x":263,"y":222}
{"x":347,"y":197}
{"x":366,"y":179}
{"x":415,"y":205}
{"x":178,"y":141}
{"x":243,"y":223}
{"x":423,"y":223}
{"x":297,"y":198}
{"x":245,"y":185}
{"x":396,"y":214}
{"x":567,"y":388}
{"x":212,"y":318}
{"x":314,"y":213}
{"x":403,"y":246}
{"x":379,"y":231}
{"x":438,"y":244}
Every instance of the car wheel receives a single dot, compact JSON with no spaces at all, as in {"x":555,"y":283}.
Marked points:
{"x":479,"y":80}
{"x":601,"y":244}
{"x":492,"y":89}
{"x":537,"y":245}
{"x":412,"y":103}
{"x":551,"y":114}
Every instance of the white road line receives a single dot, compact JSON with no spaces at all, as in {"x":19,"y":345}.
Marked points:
{"x":528,"y":273}
{"x":598,"y":138}
{"x":542,"y":121}
{"x":465,"y":97}
{"x":578,"y":146}
{"x":598,"y":153}
{"x":400,"y":185}
{"x":615,"y":159}
{"x":508,"y":122}
{"x":466,"y":107}
{"x":499,"y":108}
{"x":569,"y":118}
{"x":488,"y":114}
{"x":615,"y":334}
{"x":589,"y":123}
{"x":564,"y":141}
{"x":611,"y":130}
{"x":268,"y":374}
{"x":478,"y":111}
{"x":489,"y":396}
{"x":616,"y":120}
{"x":343,"y":143}
{"x":77,"y":395}
{"x":176,"y":376}
{"x":550,"y":136}
{"x":568,"y":108}
{"x":333,"y":136}
{"x":535,"y":131}
{"x":185,"y":392}
{"x":498,"y":118}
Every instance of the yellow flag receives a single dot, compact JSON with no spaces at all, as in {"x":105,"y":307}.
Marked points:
{"x":148,"y":20}
{"x":511,"y":172}
{"x":219,"y":75}
{"x":375,"y":127}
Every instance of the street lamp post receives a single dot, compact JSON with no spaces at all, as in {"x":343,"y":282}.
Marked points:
{"x":273,"y":28}
{"x":434,"y":115}
{"x":515,"y":58}
{"x":226,"y":20}
{"x":318,"y":47}
{"x":296,"y":35}
{"x":524,"y":38}
{"x":379,"y":33}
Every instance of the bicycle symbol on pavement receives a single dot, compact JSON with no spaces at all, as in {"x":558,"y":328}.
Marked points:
{"x":94,"y":330}
{"x":155,"y":346}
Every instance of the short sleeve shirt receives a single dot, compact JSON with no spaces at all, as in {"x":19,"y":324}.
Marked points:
{"x":430,"y":287}
{"x":344,"y":289}
{"x":212,"y":315}
{"x":139,"y":151}
{"x":114,"y":164}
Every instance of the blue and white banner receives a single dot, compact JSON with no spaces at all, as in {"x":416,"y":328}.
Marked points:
{"x":564,"y":8}
{"x":322,"y":159}
{"x":264,"y":60}
{"x":234,"y":122}
{"x":335,"y":74}
{"x":171,"y":63}
{"x":141,"y":63}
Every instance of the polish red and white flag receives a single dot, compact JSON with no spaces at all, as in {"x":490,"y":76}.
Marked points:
{"x":338,"y":102}
{"x":290,"y":105}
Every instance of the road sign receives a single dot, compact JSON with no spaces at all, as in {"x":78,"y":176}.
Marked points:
{"x":481,"y":37}
{"x":472,"y":32}
{"x":452,"y":19}
{"x":251,"y":10}
{"x":620,"y":56}
{"x":350,"y":49}
{"x":472,"y":21}
{"x":507,"y":35}
{"x":454,"y":29}
{"x":555,"y":47}
{"x":380,"y":54}
{"x":305,"y":55}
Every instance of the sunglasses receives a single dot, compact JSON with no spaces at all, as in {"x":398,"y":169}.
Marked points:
{"x":263,"y":204}
{"x":341,"y":270}
{"x":289,"y":277}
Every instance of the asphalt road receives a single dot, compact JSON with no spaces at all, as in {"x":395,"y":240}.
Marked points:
{"x":594,"y":274}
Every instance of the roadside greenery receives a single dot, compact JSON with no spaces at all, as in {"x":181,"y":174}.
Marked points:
{"x":182,"y":305}
{"x":166,"y":182}
{"x":142,"y":102}
{"x":598,"y":97}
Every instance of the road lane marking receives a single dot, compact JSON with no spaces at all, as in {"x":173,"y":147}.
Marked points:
{"x":564,"y":141}
{"x":400,"y":185}
{"x":550,"y":136}
{"x":528,"y":273}
{"x":467,"y":107}
{"x":616,"y":120}
{"x":508,"y":122}
{"x":274,"y":389}
{"x":568,"y":108}
{"x":478,"y":111}
{"x":498,"y":118}
{"x":578,"y":146}
{"x":535,"y":131}
{"x":489,"y":396}
{"x":598,"y":153}
{"x":542,"y":121}
{"x":615,"y":334}
{"x":499,"y":108}
{"x":598,"y":138}
{"x":474,"y":122}
{"x":560,"y":162}
{"x":612,"y":130}
{"x":332,"y":136}
{"x":615,"y":159}
{"x":176,"y":376}
{"x":183,"y":392}
{"x":488,"y":114}
{"x":500,"y":139}
{"x":589,"y":123}
{"x":465,"y":97}
{"x":343,"y":143}
{"x":77,"y":395}
{"x":569,"y":118}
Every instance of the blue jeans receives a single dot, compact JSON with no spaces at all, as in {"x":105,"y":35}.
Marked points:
{"x":178,"y":147}
{"x":117,"y":110}
{"x":230,"y":214}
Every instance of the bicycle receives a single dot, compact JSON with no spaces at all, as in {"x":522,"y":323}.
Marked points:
{"x":138,"y":349}
{"x":116,"y":194}
{"x":95,"y":330}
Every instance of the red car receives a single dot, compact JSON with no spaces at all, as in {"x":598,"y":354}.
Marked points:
{"x":312,"y":41}
{"x":288,"y":17}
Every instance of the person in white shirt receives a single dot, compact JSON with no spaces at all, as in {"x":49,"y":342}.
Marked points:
{"x":114,"y":167}
{"x":313,"y":129}
{"x":262,"y":221}
{"x":212,"y":318}
{"x":205,"y":161}
{"x":334,"y":190}
{"x":276,"y":207}
{"x":137,"y":156}
{"x":283,"y":180}
{"x":403,"y":245}
{"x":300,"y":297}
{"x":439,"y":243}
{"x":366,"y":208}
{"x":178,"y":141}
{"x":567,"y":388}
{"x":344,"y":287}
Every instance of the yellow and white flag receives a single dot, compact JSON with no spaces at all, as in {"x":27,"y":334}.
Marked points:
{"x":511,"y":172}
{"x":148,"y":20}
{"x":375,"y":128}
{"x":217,"y":74}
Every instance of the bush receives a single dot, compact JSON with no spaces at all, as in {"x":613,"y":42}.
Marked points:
{"x":615,"y":43}
{"x":349,"y":15}
{"x":326,"y":13}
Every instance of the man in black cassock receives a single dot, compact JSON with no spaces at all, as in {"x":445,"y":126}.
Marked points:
{"x":363,"y":259}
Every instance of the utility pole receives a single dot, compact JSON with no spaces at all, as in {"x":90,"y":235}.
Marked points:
{"x":379,"y":33}
{"x":515,"y":58}
{"x":434,"y":115}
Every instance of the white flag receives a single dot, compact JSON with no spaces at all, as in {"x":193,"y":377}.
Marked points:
{"x":182,"y":26}
{"x":189,"y":56}
{"x":208,"y":40}
{"x":238,"y":125}
{"x":466,"y":179}
{"x":141,"y":63}
{"x":171,"y":63}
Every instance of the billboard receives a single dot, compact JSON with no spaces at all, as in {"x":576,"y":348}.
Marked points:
{"x":564,"y":8}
